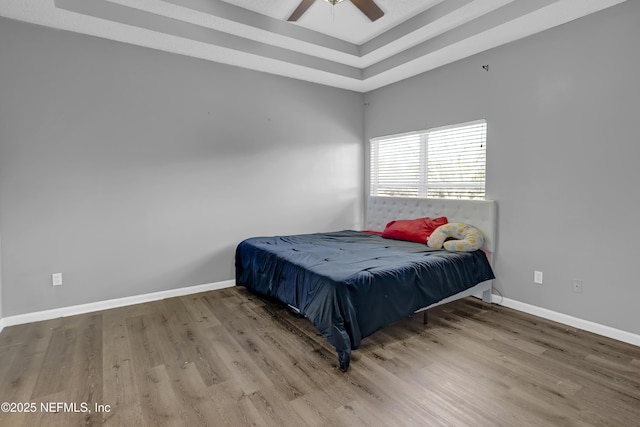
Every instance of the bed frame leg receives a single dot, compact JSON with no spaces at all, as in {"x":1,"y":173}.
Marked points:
{"x":425,"y":317}
{"x":486,"y":296}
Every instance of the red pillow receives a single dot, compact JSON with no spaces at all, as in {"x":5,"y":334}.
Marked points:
{"x":413,"y":230}
{"x":372,"y":231}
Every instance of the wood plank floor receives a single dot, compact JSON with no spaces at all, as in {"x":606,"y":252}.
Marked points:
{"x":229,"y":358}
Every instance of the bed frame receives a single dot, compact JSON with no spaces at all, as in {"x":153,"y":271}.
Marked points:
{"x":379,"y":211}
{"x":482,"y":214}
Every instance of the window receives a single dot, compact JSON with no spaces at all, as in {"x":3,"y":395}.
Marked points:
{"x":447,"y":162}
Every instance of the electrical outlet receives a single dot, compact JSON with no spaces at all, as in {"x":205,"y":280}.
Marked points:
{"x":577,"y":286}
{"x":537,"y":277}
{"x":56,"y":279}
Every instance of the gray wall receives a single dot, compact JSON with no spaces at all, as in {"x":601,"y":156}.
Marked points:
{"x":563,"y":109}
{"x":132,"y":171}
{"x":0,"y":276}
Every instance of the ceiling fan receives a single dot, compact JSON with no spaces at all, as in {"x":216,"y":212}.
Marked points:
{"x":368,"y":7}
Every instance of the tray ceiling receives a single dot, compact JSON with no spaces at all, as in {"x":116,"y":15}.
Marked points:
{"x":331,"y":45}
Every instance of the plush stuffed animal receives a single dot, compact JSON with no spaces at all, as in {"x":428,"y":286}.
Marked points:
{"x":464,"y":237}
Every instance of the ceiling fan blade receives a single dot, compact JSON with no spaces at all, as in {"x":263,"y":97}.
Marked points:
{"x":302,"y":8}
{"x":369,"y":8}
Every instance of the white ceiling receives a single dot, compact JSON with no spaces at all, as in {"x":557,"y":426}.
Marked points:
{"x":331,"y":45}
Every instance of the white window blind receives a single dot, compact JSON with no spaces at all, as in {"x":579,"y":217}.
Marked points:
{"x":447,"y":162}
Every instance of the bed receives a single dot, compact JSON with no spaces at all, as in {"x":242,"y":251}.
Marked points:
{"x":350,"y":284}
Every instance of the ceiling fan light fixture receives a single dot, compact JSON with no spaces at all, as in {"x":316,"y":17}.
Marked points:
{"x":333,"y":2}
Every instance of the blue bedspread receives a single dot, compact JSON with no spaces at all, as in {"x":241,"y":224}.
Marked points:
{"x":350,"y":283}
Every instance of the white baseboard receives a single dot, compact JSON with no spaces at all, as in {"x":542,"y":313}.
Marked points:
{"x":575,"y":322}
{"x":112,"y":303}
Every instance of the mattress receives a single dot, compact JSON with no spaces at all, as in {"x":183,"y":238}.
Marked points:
{"x":350,"y":284}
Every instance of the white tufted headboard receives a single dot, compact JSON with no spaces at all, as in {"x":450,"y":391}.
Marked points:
{"x":479,"y":213}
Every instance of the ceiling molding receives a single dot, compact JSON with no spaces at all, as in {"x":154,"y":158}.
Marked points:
{"x":413,"y":37}
{"x":247,"y":18}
